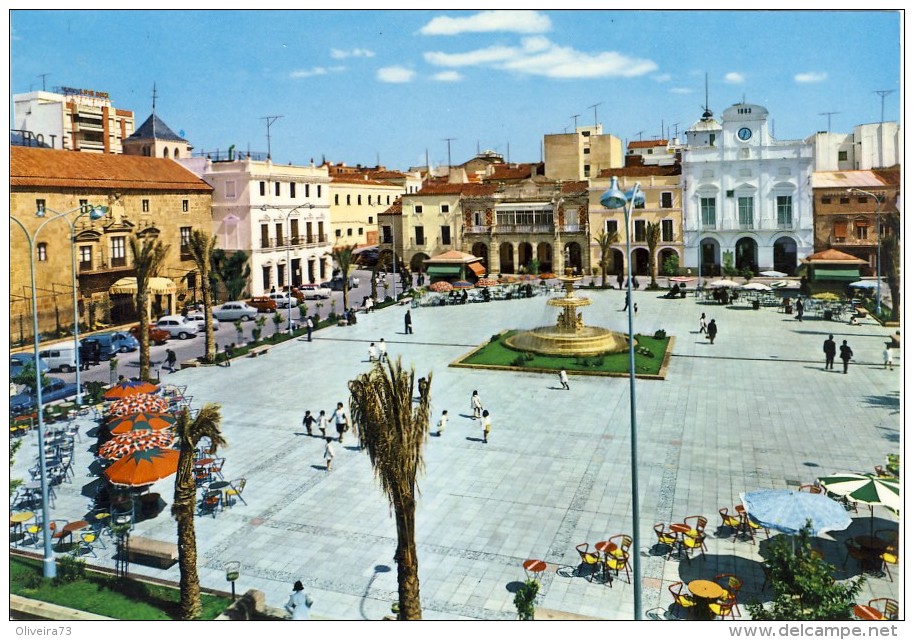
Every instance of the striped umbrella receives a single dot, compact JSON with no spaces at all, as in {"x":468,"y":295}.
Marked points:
{"x":866,"y":488}
{"x":138,"y":403}
{"x":143,"y":467}
{"x":132,"y":441}
{"x":150,"y":421}
{"x":487,"y":282}
{"x":441,"y":286}
{"x":127,"y":388}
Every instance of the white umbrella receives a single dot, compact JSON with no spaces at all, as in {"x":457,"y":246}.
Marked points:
{"x":723,"y":283}
{"x":756,"y":286}
{"x":863,"y":284}
{"x":773,"y":274}
{"x":787,"y":510}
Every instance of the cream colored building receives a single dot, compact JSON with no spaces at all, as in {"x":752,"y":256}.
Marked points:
{"x":581,"y":155}
{"x":356,"y":200}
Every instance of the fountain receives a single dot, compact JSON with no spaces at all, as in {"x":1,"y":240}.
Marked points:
{"x":569,"y":336}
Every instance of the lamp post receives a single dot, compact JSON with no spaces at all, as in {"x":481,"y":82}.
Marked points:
{"x":614,"y":198}
{"x":288,"y":245}
{"x":878,"y":246}
{"x":49,"y":569}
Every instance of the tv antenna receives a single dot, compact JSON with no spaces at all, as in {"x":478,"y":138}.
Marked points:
{"x":43,"y":76}
{"x":594,"y":107}
{"x":270,"y":120}
{"x":882,"y":94}
{"x":576,"y":120}
{"x":639,"y":134}
{"x":448,"y":140}
{"x":829,"y":114}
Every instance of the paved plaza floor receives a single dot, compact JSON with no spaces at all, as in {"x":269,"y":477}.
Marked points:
{"x":754,"y":410}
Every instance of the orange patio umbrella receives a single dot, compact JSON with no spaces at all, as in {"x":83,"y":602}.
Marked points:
{"x":139,"y":403}
{"x":126,"y":443}
{"x":148,"y":420}
{"x":143,"y":467}
{"x":127,"y":388}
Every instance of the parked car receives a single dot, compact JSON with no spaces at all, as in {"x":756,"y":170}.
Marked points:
{"x":296,"y":293}
{"x":314,"y":291}
{"x":263,"y":304}
{"x":336,"y":283}
{"x":106,"y":346}
{"x":283,"y":300}
{"x":200,"y":318}
{"x":177,"y":327}
{"x":55,"y":389}
{"x":122,"y":340}
{"x":60,"y":357}
{"x":18,"y":361}
{"x":234,"y":310}
{"x":156,"y":335}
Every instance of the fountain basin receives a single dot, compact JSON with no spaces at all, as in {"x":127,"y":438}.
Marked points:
{"x":583,"y":341}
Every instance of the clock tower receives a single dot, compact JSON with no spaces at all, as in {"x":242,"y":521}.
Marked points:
{"x":746,"y":125}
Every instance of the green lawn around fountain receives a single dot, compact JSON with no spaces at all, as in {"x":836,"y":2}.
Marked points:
{"x":651,"y":357}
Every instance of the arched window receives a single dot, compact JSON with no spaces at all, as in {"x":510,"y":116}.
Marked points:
{"x":165,"y":152}
{"x":42,"y":249}
{"x":177,"y":153}
{"x":359,"y":199}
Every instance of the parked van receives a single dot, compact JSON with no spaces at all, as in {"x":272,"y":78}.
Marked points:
{"x":106,"y":347}
{"x":60,"y":358}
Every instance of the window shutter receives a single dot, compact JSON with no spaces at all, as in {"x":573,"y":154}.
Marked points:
{"x":840,"y":229}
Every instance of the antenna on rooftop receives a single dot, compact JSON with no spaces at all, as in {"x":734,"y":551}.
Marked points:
{"x":882,"y":94}
{"x":43,"y":76}
{"x":448,"y":140}
{"x":576,"y":116}
{"x":594,"y":107}
{"x":639,"y":134}
{"x":675,"y":126}
{"x":270,"y":120}
{"x":829,"y":114}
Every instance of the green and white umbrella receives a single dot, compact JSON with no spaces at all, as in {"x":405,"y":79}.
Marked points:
{"x":866,"y":488}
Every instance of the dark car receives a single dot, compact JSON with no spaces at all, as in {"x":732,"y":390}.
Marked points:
{"x":55,"y":389}
{"x":336,"y":283}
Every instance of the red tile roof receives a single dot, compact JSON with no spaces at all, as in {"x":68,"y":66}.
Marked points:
{"x":348,"y":178}
{"x":507,"y":172}
{"x":643,"y":170}
{"x":396,"y":209}
{"x":647,"y":144}
{"x":33,"y":167}
{"x":834,"y":256}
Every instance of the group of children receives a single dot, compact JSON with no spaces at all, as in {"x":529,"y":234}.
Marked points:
{"x":340,"y":419}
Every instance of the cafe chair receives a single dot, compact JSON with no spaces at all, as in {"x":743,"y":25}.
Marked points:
{"x":57,"y":531}
{"x":886,"y":606}
{"x":731,"y":585}
{"x":729,"y":520}
{"x":724,"y":607}
{"x":618,"y":561}
{"x":682,"y":598}
{"x":690,"y":543}
{"x":855,"y":551}
{"x":889,"y":556}
{"x":665,"y":537}
{"x":235,"y":489}
{"x":810,"y":488}
{"x":211,"y":502}
{"x":85,"y":544}
{"x":588,"y":559}
{"x":215,"y":469}
{"x":623,"y":544}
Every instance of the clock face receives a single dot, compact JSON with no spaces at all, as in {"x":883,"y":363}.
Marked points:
{"x":745,"y":133}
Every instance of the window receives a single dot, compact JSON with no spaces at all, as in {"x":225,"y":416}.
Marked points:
{"x":842,"y":156}
{"x":185,"y":204}
{"x":826,"y":200}
{"x":586,"y":151}
{"x":744,"y":206}
{"x":263,"y":188}
{"x":712,"y":139}
{"x":862,"y":229}
{"x":785,"y":210}
{"x":387,"y":236}
{"x":861,"y":200}
{"x":336,"y":199}
{"x":420,"y":235}
{"x":318,"y":191}
{"x":361,"y":231}
{"x":418,"y":208}
{"x":85,"y":258}
{"x":348,"y":199}
{"x":840,"y":230}
{"x":229,"y":189}
{"x":844,"y":200}
{"x":308,"y":190}
{"x":708,"y":211}
{"x":612,"y":227}
{"x":640,"y":205}
{"x":666,"y":230}
{"x":42,"y":249}
{"x":83,"y":206}
{"x":370,"y":219}
{"x":640,"y":230}
{"x":145,"y":205}
{"x":291,"y":189}
{"x":388,"y":199}
{"x":666,"y":199}
{"x":279,"y":229}
{"x":276,"y":188}
{"x":40,"y":205}
{"x":445,"y":208}
{"x":446,"y":234}
{"x":185,"y":238}
{"x":339,"y":233}
{"x":586,"y":170}
{"x":118,"y":251}
{"x":358,"y":199}
{"x":369,"y":199}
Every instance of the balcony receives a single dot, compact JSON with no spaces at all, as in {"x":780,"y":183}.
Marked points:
{"x":314,"y":240}
{"x":852,"y":241}
{"x":478,"y":229}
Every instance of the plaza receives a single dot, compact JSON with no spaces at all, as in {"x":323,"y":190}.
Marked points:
{"x":754,"y":410}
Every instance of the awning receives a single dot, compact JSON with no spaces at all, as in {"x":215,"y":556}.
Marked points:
{"x":839,"y":275}
{"x":477,"y":268}
{"x":158,"y":286}
{"x":450,"y":270}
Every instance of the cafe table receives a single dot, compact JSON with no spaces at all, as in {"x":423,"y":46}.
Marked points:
{"x":680,"y":529}
{"x":533,"y":568}
{"x":20,"y":518}
{"x":866,"y":612}
{"x":606,"y":548}
{"x":70,"y":528}
{"x":705,"y":592}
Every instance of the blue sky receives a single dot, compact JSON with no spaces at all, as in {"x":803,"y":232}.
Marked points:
{"x":358,"y":86}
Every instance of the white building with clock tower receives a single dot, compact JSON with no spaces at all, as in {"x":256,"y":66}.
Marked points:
{"x":746,"y":196}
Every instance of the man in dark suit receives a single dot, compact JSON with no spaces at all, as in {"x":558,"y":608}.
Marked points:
{"x":830,"y":349}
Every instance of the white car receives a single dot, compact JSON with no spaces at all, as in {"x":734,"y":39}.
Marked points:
{"x":177,"y":327}
{"x":235,"y":310}
{"x":314,"y":291}
{"x":283,"y":300}
{"x":200,"y":318}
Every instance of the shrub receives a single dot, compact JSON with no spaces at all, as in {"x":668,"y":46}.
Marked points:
{"x":644,"y":351}
{"x":524,"y":599}
{"x":659,"y":334}
{"x":518,"y":361}
{"x":495,"y":337}
{"x":529,"y":356}
{"x":70,"y":569}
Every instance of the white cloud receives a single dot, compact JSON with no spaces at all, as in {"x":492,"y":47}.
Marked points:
{"x":339,"y":54}
{"x":487,"y":22}
{"x":396,"y":74}
{"x":682,"y":90}
{"x":734,"y":78}
{"x":314,"y":71}
{"x":540,"y":57}
{"x":810,"y":76}
{"x":448,"y":76}
{"x":663,"y":77}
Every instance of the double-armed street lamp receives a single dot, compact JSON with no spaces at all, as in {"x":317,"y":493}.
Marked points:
{"x":615,"y":198}
{"x":307,"y":205}
{"x":49,"y":569}
{"x":878,"y":200}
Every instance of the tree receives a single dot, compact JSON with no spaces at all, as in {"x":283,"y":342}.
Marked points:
{"x":393,"y":429}
{"x":803,"y":586}
{"x":605,"y":240}
{"x":26,"y":377}
{"x":890,"y":259}
{"x":148,"y":258}
{"x":652,"y":237}
{"x":190,"y":432}
{"x":232,"y":270}
{"x":201,"y":248}
{"x":670,"y":265}
{"x":342,"y":253}
{"x":525,"y":598}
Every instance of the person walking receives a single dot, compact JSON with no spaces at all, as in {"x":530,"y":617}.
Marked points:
{"x":888,"y":357}
{"x":328,"y":454}
{"x":382,"y":350}
{"x":476,"y":405}
{"x":635,"y":308}
{"x":799,"y":310}
{"x":372,"y":353}
{"x":341,"y":420}
{"x":712,"y":330}
{"x":486,"y":426}
{"x":563,"y":378}
{"x":627,"y":301}
{"x":170,"y":359}
{"x":309,"y":325}
{"x":299,"y":604}
{"x":829,"y":348}
{"x":703,"y":324}
{"x":846,"y":354}
{"x":408,"y":322}
{"x":308,"y":422}
{"x":229,"y":352}
{"x":442,"y":423}
{"x":322,"y":422}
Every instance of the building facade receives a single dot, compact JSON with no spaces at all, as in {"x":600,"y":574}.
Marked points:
{"x":146,"y":198}
{"x":581,"y":155}
{"x":73,"y":119}
{"x":870,"y":146}
{"x":357,"y":198}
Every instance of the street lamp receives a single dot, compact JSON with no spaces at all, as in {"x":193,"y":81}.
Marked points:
{"x":614,"y":198}
{"x":878,"y":200}
{"x":288,"y":245}
{"x":49,"y":569}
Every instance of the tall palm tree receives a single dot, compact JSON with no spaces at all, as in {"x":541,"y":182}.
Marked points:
{"x":201,"y":247}
{"x":890,"y":248}
{"x":190,"y":432}
{"x":652,"y":237}
{"x":392,"y":429}
{"x":148,"y":258}
{"x":342,"y":253}
{"x":232,"y":270}
{"x":605,"y":240}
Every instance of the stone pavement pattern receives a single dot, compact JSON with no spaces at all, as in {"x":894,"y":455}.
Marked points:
{"x":754,"y":410}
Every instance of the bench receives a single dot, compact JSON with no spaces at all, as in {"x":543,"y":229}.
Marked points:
{"x":259,"y":351}
{"x":152,"y":552}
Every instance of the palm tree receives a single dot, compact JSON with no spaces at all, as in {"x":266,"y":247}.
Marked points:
{"x":342,"y":253}
{"x":190,"y":432}
{"x":232,"y":270}
{"x":148,"y":257}
{"x":890,"y":248}
{"x":605,"y":240}
{"x":652,"y":237}
{"x":393,"y":430}
{"x":201,"y":247}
